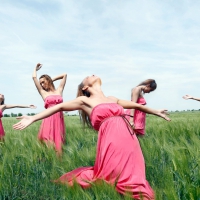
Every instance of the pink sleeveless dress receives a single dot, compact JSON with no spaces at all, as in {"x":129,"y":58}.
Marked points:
{"x":119,"y":159}
{"x":139,"y":118}
{"x":2,"y":133}
{"x":52,"y":129}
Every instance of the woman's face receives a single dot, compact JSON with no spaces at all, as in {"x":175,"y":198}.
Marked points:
{"x":44,"y":83}
{"x":147,"y":89}
{"x":90,"y":80}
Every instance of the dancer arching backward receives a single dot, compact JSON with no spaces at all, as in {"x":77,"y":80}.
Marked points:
{"x":52,"y":130}
{"x":136,"y":117}
{"x":3,"y":107}
{"x":186,"y":97}
{"x":119,"y":159}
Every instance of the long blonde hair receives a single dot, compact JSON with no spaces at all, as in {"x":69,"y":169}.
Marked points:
{"x":83,"y":115}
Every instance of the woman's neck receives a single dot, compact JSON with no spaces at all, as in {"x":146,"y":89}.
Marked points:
{"x":96,"y":91}
{"x":51,"y":90}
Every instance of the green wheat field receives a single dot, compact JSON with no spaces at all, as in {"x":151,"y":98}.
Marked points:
{"x":171,"y":151}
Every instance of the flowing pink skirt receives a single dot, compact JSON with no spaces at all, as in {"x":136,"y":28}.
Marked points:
{"x":52,"y":130}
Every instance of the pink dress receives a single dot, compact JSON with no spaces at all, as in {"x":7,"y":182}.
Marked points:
{"x":139,"y":118}
{"x":52,"y":129}
{"x":119,"y":159}
{"x":2,"y":133}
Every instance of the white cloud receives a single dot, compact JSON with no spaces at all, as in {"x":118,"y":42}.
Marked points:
{"x":124,"y":42}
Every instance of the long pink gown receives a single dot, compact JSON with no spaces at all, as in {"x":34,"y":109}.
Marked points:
{"x":119,"y":159}
{"x":52,"y":129}
{"x":2,"y":133}
{"x":139,"y":118}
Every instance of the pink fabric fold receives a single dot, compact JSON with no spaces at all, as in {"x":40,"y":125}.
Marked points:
{"x":139,"y":118}
{"x":119,"y":159}
{"x":52,"y":129}
{"x":2,"y":132}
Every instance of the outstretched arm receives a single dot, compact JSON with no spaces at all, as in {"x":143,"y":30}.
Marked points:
{"x":186,"y":97}
{"x":132,"y":105}
{"x":18,"y":106}
{"x":63,"y":78}
{"x":134,"y":97}
{"x":37,"y":84}
{"x":66,"y":106}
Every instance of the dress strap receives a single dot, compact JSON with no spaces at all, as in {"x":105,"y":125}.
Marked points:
{"x":129,"y":115}
{"x":130,"y":128}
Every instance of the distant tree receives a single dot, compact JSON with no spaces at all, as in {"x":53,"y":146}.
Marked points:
{"x":19,"y":114}
{"x":13,"y":115}
{"x":32,"y":114}
{"x":6,"y":115}
{"x":28,"y":114}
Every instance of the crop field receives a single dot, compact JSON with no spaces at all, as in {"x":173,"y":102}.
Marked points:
{"x":171,"y":151}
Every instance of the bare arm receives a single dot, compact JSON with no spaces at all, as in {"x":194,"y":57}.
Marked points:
{"x":18,"y":106}
{"x":186,"y":97}
{"x":66,"y":106}
{"x":63,"y":78}
{"x":134,"y":97}
{"x":37,"y":84}
{"x":129,"y":104}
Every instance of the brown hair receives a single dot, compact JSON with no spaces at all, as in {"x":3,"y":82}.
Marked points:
{"x":49,"y":80}
{"x":83,"y":115}
{"x":152,"y":83}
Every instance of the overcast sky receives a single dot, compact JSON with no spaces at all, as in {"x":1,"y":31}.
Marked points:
{"x":122,"y":41}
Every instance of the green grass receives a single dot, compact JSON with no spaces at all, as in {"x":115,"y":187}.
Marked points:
{"x":171,"y":151}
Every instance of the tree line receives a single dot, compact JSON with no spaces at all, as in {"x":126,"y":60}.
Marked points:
{"x":17,"y":115}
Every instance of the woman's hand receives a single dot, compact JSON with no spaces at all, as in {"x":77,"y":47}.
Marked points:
{"x":32,"y":106}
{"x":38,"y":66}
{"x":25,"y":122}
{"x":186,"y":97}
{"x":163,"y":114}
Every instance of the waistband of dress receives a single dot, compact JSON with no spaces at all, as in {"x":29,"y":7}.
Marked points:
{"x":129,"y":127}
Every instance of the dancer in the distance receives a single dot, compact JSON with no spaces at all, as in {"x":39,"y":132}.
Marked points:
{"x":119,"y":159}
{"x":3,"y":107}
{"x":136,"y":117}
{"x":52,"y":130}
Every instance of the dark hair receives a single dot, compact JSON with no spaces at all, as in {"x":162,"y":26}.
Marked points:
{"x":2,"y":103}
{"x":49,"y":80}
{"x":152,"y":83}
{"x":83,"y":115}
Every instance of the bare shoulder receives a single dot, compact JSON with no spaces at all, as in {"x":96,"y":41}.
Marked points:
{"x":114,"y":99}
{"x":136,"y":90}
{"x":3,"y":107}
{"x":83,"y":100}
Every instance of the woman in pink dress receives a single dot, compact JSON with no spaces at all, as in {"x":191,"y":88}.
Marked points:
{"x":52,"y":130}
{"x":136,"y":117}
{"x":119,"y":159}
{"x":3,"y":107}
